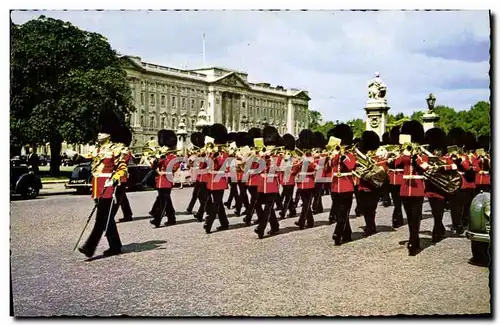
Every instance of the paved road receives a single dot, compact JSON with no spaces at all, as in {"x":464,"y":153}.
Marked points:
{"x":181,"y":271}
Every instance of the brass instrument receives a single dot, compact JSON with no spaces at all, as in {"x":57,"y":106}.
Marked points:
{"x":449,"y":182}
{"x":368,"y":170}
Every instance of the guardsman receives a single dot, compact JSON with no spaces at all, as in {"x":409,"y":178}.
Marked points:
{"x":469,"y":174}
{"x":386,"y":197}
{"x":121,"y":191}
{"x":341,"y":165}
{"x":253,"y":178}
{"x":368,"y":194}
{"x":108,"y":168}
{"x":305,"y":172}
{"x":484,"y":163}
{"x":287,"y":179}
{"x":436,"y":138}
{"x":395,"y":182}
{"x":197,"y":139}
{"x":217,"y":180}
{"x":164,"y":180}
{"x":412,"y":190}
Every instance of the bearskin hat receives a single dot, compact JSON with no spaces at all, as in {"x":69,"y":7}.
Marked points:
{"x":270,"y":135}
{"x":319,"y":140}
{"x":436,"y":138}
{"x":342,"y":132}
{"x":205,"y":130}
{"x":162,"y":137}
{"x":306,"y":138}
{"x":168,"y":138}
{"x":370,"y":141}
{"x":254,"y":133}
{"x":415,"y":130}
{"x":109,"y":122}
{"x":241,"y":139}
{"x":219,"y":133}
{"x":232,"y":137}
{"x":289,"y":142}
{"x":123,"y":136}
{"x":197,"y":139}
{"x":386,"y":138}
{"x":470,"y":141}
{"x":456,"y":136}
{"x":484,"y":142}
{"x":394,"y":135}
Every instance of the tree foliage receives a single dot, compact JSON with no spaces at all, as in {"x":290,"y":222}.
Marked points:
{"x":61,"y":79}
{"x":476,"y":120}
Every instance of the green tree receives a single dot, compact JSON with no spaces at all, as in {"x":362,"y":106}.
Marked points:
{"x":61,"y":79}
{"x":315,"y":119}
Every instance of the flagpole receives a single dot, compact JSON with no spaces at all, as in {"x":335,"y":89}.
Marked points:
{"x":204,"y":49}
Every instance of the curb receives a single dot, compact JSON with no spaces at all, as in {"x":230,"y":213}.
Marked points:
{"x":55,"y":181}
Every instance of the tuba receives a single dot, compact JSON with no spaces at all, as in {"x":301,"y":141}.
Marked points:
{"x":368,"y":170}
{"x":447,"y":181}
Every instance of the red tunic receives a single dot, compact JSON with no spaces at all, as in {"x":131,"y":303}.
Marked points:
{"x":465,"y":164}
{"x":341,"y":170}
{"x":254,"y":178}
{"x":413,"y":180}
{"x":164,"y":179}
{"x":270,"y":180}
{"x":483,"y":173}
{"x":305,"y":176}
{"x":99,"y":179}
{"x":217,"y":179}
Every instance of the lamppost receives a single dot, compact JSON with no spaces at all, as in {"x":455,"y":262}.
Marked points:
{"x":430,"y":118}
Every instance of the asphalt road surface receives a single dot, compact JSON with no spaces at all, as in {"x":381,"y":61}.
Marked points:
{"x":181,"y":271}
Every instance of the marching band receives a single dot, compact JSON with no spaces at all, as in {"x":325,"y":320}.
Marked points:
{"x":262,"y":169}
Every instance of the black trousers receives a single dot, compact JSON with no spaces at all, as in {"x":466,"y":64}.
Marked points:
{"x":397,"y":213}
{"x":243,"y":198}
{"x":437,"y":208}
{"x":268,"y":214}
{"x":332,"y":218}
{"x":204,"y":199}
{"x":103,"y":210}
{"x":306,"y":216}
{"x":342,"y":207}
{"x":297,"y":197}
{"x":194,"y":196}
{"x":456,"y":204}
{"x":233,"y":193}
{"x":121,"y":197}
{"x":368,"y":201}
{"x":413,"y":210}
{"x":386,"y":198}
{"x":165,"y":207}
{"x":255,"y":205}
{"x":468,"y":196}
{"x":358,"y":210}
{"x":317,"y":205}
{"x":288,"y":203}
{"x":216,"y":209}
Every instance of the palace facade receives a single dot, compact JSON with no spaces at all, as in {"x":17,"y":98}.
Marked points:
{"x":165,"y":97}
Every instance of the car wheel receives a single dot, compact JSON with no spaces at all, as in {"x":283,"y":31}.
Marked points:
{"x":31,"y":193}
{"x":481,"y":253}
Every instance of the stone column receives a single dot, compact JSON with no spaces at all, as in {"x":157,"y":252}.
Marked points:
{"x":290,"y":117}
{"x":429,"y":120}
{"x":211,"y":105}
{"x":376,"y":116}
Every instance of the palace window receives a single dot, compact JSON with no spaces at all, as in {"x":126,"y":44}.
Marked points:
{"x":142,"y":120}
{"x":183,"y":102}
{"x":142,"y":98}
{"x":173,"y":101}
{"x":163,"y":123}
{"x":202,"y":103}
{"x":192,"y":104}
{"x":163,"y":101}
{"x":192,"y":123}
{"x":152,"y":122}
{"x":143,"y":84}
{"x":152,"y":99}
{"x":173,"y":122}
{"x":243,"y":104}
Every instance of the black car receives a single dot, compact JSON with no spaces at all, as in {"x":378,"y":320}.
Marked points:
{"x":24,"y":182}
{"x":18,"y":160}
{"x":44,"y":159}
{"x":139,"y":178}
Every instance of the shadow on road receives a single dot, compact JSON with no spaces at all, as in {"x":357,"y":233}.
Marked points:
{"x":135,"y":247}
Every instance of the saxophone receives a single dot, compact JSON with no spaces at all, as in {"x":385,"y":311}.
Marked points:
{"x":368,"y":170}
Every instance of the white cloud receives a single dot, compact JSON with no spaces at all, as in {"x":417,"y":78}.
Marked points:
{"x":330,"y":53}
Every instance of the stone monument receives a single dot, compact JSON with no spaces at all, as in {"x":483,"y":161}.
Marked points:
{"x":202,"y":120}
{"x":376,"y":106}
{"x":430,"y":117}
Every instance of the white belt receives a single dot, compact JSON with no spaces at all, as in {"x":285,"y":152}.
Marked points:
{"x":103,"y":175}
{"x":461,"y":172}
{"x":218,"y":172}
{"x":484,"y":172}
{"x":163,"y":173}
{"x":413,"y":177}
{"x":345,"y":174}
{"x":270,"y":175}
{"x":396,"y":170}
{"x":307,"y":173}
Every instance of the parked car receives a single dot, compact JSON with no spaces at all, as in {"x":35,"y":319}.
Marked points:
{"x":139,"y":178}
{"x":479,"y":229}
{"x":24,"y":182}
{"x":44,"y":159}
{"x":18,"y":160}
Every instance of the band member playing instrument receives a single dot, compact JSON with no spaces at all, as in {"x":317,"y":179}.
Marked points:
{"x":395,"y":182}
{"x":164,"y":179}
{"x":484,"y":163}
{"x":412,"y":189}
{"x":341,"y":166}
{"x":305,"y":172}
{"x":121,"y":191}
{"x":287,"y":179}
{"x":108,"y":168}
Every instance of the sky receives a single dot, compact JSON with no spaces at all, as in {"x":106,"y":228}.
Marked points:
{"x":331,"y":54}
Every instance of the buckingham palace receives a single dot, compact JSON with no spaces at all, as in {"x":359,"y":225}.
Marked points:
{"x":166,"y":97}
